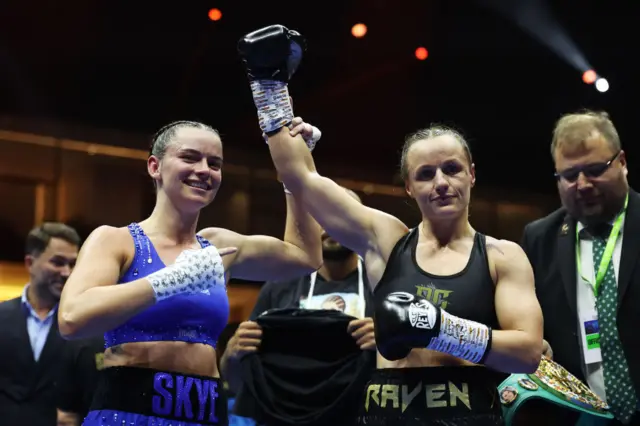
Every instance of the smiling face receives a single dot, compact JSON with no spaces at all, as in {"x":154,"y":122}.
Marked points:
{"x":50,"y":255}
{"x":439,"y":176}
{"x":189,"y":171}
{"x":50,"y":269}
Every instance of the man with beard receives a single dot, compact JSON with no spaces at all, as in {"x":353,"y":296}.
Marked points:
{"x":340,"y":286}
{"x":585,"y":259}
{"x":30,"y":345}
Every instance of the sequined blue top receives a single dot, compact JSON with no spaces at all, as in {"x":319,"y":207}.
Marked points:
{"x":193,"y":318}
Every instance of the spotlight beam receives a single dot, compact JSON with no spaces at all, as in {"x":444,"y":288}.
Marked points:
{"x":535,"y":18}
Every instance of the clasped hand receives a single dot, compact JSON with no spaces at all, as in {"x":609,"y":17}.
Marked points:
{"x":245,"y":340}
{"x":363,"y":332}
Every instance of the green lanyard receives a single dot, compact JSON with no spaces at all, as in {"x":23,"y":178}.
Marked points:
{"x":608,"y":251}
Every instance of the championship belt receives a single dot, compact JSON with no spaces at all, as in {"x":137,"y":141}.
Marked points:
{"x":555,"y":384}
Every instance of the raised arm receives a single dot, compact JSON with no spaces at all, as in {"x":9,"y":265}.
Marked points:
{"x":271,"y":56}
{"x":264,"y":258}
{"x":517,"y":347}
{"x":354,"y":225}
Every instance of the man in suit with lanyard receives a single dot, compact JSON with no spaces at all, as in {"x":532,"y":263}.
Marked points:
{"x":585,"y":258}
{"x":30,"y":345}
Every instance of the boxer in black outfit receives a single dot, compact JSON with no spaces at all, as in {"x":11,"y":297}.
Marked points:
{"x":453,"y":306}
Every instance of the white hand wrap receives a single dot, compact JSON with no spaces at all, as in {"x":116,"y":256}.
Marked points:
{"x":311,"y":141}
{"x":464,"y":339}
{"x":193,"y":272}
{"x":273,"y":104}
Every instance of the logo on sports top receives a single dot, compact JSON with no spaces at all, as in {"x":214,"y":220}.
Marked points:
{"x":433,"y":294}
{"x":422,"y":314}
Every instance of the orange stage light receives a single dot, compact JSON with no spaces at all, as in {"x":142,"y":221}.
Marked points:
{"x":589,"y":76}
{"x":215,"y":14}
{"x":422,"y":53}
{"x":359,"y":30}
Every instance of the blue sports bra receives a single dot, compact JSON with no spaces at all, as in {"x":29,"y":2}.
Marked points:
{"x":193,"y":318}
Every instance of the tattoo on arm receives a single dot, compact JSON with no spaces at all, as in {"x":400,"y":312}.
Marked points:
{"x":117,"y":349}
{"x":495,"y":247}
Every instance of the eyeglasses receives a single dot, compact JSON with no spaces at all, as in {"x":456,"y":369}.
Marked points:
{"x":592,"y":170}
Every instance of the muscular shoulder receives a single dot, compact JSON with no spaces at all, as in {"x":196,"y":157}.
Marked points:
{"x":112,"y":239}
{"x":111,"y":234}
{"x":504,"y":249}
{"x":505,"y":255}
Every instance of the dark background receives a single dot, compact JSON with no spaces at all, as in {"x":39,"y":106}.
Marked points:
{"x":135,"y":65}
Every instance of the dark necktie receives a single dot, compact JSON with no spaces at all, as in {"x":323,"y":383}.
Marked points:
{"x":621,"y":395}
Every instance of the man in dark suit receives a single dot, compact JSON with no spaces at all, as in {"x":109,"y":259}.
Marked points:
{"x":30,"y":345}
{"x":586,"y":260}
{"x":79,"y":374}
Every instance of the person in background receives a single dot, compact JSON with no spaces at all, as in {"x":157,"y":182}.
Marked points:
{"x":585,"y":256}
{"x":79,"y":374}
{"x":31,"y":348}
{"x":340,"y":285}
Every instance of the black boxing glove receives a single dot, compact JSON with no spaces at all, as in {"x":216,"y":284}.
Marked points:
{"x":271,"y":56}
{"x":404,"y":321}
{"x":271,"y":53}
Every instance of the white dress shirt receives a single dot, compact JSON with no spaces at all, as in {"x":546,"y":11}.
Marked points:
{"x":37,"y":328}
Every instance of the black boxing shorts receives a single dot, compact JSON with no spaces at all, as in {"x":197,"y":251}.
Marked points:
{"x":431,"y":396}
{"x":135,"y":396}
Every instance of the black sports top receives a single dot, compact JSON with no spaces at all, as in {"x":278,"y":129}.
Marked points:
{"x":469,"y":294}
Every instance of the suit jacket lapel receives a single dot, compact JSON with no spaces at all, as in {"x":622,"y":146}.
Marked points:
{"x":567,"y":260}
{"x":52,"y":345}
{"x":51,"y":355}
{"x":22,"y":332}
{"x":630,"y":244}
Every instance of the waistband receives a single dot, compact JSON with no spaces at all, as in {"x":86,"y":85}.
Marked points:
{"x":431,"y":396}
{"x":155,"y":393}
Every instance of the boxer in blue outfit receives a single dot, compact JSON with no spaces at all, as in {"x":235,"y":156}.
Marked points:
{"x":157,"y":290}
